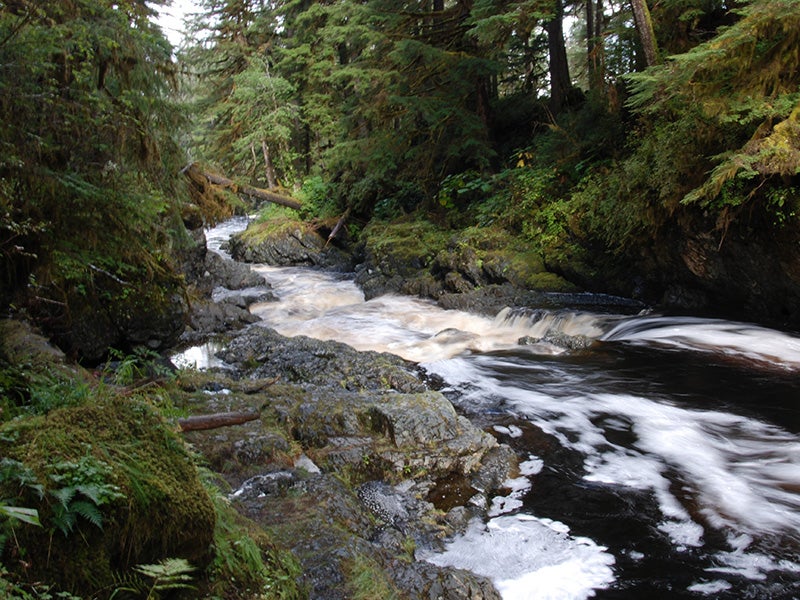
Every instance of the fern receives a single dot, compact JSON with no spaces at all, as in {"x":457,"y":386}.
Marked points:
{"x":149,"y":581}
{"x":84,"y":489}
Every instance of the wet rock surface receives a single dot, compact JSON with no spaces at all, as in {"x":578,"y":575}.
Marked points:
{"x":341,"y":465}
{"x":221,"y":290}
{"x":261,"y":352}
{"x":288,"y":245}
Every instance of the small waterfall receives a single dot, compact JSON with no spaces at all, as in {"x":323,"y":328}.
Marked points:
{"x":735,"y":340}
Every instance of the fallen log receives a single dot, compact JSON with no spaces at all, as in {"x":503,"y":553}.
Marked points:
{"x":217,"y":420}
{"x":338,"y":226}
{"x":194,"y":172}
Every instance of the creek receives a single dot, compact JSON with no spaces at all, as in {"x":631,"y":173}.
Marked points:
{"x":661,"y":456}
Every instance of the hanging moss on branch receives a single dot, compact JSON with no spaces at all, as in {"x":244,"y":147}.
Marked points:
{"x":197,"y":174}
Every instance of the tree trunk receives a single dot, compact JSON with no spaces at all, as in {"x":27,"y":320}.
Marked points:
{"x":560,"y":82}
{"x":591,"y":45}
{"x":269,"y":169}
{"x":644,"y":25}
{"x":194,"y":172}
{"x":217,"y":420}
{"x":339,"y":224}
{"x":595,"y":48}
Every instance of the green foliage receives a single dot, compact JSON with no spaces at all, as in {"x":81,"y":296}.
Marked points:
{"x":11,"y":590}
{"x":141,"y":364}
{"x":157,"y":580}
{"x":458,"y":189}
{"x":381,"y":102}
{"x":81,"y":488}
{"x":738,"y":91}
{"x":21,"y":514}
{"x":89,"y":174}
{"x":316,"y":196}
{"x":246,"y":564}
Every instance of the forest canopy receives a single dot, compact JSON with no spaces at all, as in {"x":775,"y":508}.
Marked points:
{"x":587,"y":129}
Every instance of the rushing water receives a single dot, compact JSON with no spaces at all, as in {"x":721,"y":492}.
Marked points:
{"x":663,"y":460}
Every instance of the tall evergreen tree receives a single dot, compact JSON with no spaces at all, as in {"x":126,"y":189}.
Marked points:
{"x":88,"y":160}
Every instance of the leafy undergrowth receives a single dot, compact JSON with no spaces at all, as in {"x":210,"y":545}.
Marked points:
{"x":100,"y":497}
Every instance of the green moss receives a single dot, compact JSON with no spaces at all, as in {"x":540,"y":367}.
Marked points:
{"x":550,"y":282}
{"x":417,"y":241}
{"x":161,"y":510}
{"x":276,"y":226}
{"x":368,"y":581}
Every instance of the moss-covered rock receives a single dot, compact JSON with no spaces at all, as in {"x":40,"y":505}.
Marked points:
{"x":421,"y":259}
{"x":285,"y":242}
{"x":114,"y":488}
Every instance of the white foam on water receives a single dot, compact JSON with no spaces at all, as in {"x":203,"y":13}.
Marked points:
{"x":741,"y":340}
{"x":199,"y":357}
{"x":752,"y":565}
{"x":530,"y":559}
{"x":323,"y":306}
{"x":710,"y":587}
{"x":741,"y":475}
{"x":220,"y":234}
{"x":518,"y":487}
{"x":532,"y":466}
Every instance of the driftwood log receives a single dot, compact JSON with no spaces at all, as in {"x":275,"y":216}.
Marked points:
{"x":195,"y":173}
{"x":339,"y":225}
{"x":203,"y":422}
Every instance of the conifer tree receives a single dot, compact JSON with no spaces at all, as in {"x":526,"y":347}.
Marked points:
{"x":89,"y":166}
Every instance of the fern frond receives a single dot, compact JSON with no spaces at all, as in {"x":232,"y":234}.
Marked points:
{"x":64,"y":495}
{"x":169,"y":567}
{"x":88,"y":511}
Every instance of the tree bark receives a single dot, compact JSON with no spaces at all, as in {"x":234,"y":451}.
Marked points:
{"x":193,"y":171}
{"x":560,"y":82}
{"x":217,"y":420}
{"x":269,"y":169}
{"x":644,"y":25}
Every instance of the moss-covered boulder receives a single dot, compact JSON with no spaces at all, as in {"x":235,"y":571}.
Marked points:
{"x":286,"y":242}
{"x":421,"y":259}
{"x":113,"y":486}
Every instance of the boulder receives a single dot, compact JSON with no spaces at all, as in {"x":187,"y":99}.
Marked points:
{"x":286,"y":243}
{"x":261,"y":352}
{"x":114,"y":488}
{"x":149,"y":314}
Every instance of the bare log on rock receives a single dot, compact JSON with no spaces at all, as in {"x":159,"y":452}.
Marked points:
{"x":217,"y":420}
{"x":194,"y":172}
{"x":338,"y":226}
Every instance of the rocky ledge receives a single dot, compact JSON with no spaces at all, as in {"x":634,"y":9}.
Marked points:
{"x":353,"y":463}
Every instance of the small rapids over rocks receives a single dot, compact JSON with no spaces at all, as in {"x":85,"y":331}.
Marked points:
{"x":661,"y":455}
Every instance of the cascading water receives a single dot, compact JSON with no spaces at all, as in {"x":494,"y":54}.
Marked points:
{"x":663,"y":453}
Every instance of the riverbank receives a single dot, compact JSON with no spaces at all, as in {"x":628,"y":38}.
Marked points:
{"x":353,"y":465}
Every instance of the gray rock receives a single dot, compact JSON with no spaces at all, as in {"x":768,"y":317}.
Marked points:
{"x":292,"y":246}
{"x":263,"y":353}
{"x":230,"y":274}
{"x":427,"y":582}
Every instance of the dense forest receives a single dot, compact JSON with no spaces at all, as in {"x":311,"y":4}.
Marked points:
{"x":640,"y":152}
{"x":646,"y":151}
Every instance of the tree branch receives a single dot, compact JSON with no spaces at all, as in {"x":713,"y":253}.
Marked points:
{"x":195,"y":173}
